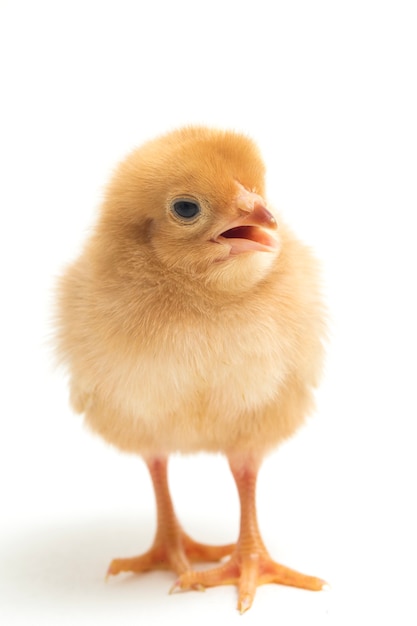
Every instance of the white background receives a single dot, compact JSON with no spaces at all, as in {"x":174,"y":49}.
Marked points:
{"x":328,"y":90}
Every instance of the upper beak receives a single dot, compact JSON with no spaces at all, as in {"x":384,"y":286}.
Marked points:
{"x":260,"y":216}
{"x":251,"y":231}
{"x":253,"y":204}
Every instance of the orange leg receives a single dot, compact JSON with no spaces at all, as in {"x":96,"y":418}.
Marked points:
{"x":250,"y":564}
{"x":172,"y":547}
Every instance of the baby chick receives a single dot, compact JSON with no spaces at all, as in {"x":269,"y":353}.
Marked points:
{"x":192,"y":322}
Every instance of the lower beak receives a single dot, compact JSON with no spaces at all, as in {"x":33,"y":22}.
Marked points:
{"x":254,"y":231}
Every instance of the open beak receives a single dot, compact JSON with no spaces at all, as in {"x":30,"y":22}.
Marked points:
{"x":254,"y":230}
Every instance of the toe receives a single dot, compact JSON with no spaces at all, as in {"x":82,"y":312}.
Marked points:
{"x":248,"y":582}
{"x":227,"y":574}
{"x":282,"y":575}
{"x":136,"y":565}
{"x":201,"y":552}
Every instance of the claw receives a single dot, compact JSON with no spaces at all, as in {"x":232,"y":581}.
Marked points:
{"x":244,"y":604}
{"x":175,"y":587}
{"x":109,"y":573}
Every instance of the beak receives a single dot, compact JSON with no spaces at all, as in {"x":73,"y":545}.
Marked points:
{"x":254,"y":230}
{"x":260,"y":216}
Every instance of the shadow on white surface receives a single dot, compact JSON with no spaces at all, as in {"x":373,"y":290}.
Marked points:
{"x":67,"y":563}
{"x":56,"y":574}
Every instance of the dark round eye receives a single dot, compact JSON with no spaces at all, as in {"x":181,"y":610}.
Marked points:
{"x":186,"y":209}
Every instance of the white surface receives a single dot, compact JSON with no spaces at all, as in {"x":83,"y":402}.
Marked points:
{"x":328,"y":90}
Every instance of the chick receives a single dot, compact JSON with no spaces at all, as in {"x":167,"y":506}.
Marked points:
{"x":192,"y":321}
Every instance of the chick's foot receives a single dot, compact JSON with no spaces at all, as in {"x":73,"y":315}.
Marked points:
{"x":172,"y":548}
{"x":172,"y":553}
{"x":247,"y":571}
{"x":250,"y":564}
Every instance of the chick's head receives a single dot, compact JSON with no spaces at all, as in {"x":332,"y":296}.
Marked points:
{"x":192,"y":202}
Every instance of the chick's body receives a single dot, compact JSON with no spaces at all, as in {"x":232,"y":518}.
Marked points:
{"x":192,"y":332}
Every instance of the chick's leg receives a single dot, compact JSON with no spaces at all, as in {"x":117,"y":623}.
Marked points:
{"x":172,"y":547}
{"x":250,"y":564}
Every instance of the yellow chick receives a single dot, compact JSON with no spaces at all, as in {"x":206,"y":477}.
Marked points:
{"x":192,"y":321}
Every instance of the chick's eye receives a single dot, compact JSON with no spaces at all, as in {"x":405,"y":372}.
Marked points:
{"x":186,"y":209}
